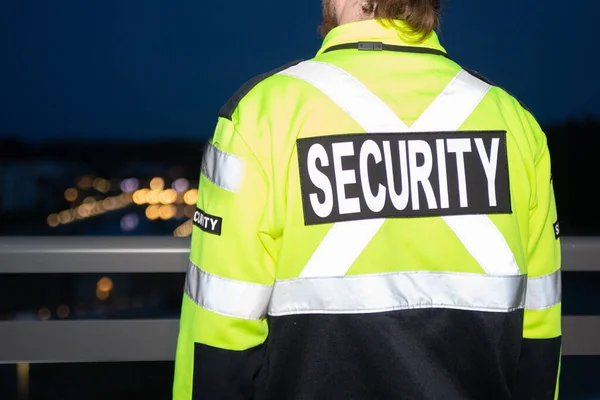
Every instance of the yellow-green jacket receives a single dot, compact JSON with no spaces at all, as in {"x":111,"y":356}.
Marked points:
{"x":374,"y":223}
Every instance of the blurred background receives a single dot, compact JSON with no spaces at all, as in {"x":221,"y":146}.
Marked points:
{"x":105,"y":108}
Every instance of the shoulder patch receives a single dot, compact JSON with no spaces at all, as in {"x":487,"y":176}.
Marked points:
{"x":489,"y":82}
{"x":229,"y":107}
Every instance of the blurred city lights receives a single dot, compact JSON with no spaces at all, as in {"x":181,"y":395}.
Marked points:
{"x":184,"y":229}
{"x":152,"y":212}
{"x":152,"y":196}
{"x":53,"y":220}
{"x":129,"y":222}
{"x":157,"y":183}
{"x":130,"y":185}
{"x":139,"y":197}
{"x":167,"y":212}
{"x":167,"y":196}
{"x":179,"y":213}
{"x":181,"y":185}
{"x":63,"y":311}
{"x":191,"y":196}
{"x":64,"y":217}
{"x":101,"y":185}
{"x":89,"y":208}
{"x":85,"y":182}
{"x":109,"y":203}
{"x":44,"y":314}
{"x":105,"y":284}
{"x":84,"y":210}
{"x":71,"y":194}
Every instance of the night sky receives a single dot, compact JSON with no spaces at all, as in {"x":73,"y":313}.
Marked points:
{"x":159,"y":69}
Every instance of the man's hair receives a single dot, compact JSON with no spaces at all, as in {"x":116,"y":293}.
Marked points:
{"x":421,"y":15}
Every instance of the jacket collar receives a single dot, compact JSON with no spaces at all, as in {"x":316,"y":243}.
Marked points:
{"x":376,"y":31}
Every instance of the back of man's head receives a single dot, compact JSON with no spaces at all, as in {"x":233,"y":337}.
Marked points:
{"x":422,"y":16}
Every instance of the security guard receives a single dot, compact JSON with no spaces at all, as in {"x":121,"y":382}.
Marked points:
{"x":374,"y":223}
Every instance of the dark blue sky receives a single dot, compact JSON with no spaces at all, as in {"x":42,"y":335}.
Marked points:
{"x":159,"y":68}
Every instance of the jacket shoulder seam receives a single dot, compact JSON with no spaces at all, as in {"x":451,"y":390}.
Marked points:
{"x":489,"y":82}
{"x":229,"y":108}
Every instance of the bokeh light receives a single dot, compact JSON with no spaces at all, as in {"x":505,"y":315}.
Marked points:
{"x":167,"y":196}
{"x":129,"y":222}
{"x":52,"y":220}
{"x":105,"y":284}
{"x":184,"y":229}
{"x":85,"y":182}
{"x":157,"y":183}
{"x":101,"y":185}
{"x":139,"y":197}
{"x":152,"y":212}
{"x":130,"y":185}
{"x":152,"y":196}
{"x":65,"y":217}
{"x":63,"y":311}
{"x":167,"y":212}
{"x":191,"y":196}
{"x":44,"y":314}
{"x":181,"y":185}
{"x":71,"y":194}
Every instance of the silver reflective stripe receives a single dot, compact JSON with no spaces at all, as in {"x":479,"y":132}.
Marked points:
{"x":347,"y":92}
{"x":226,"y":296}
{"x":544,"y":292}
{"x":345,"y":241}
{"x":223,"y":169}
{"x":398,"y":291}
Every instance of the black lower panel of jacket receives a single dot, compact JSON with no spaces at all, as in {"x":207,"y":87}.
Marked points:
{"x":223,"y":374}
{"x":402,"y":355}
{"x":538,"y":369}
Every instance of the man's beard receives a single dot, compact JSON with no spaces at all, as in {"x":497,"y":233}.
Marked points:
{"x":329,"y":17}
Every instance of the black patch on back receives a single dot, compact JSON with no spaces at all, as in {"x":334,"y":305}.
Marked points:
{"x":403,"y":175}
{"x":229,"y":107}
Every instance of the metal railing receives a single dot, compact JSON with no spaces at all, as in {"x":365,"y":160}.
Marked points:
{"x":154,"y":340}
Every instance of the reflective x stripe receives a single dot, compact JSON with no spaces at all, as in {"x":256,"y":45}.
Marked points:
{"x":398,"y":291}
{"x":544,"y":292}
{"x":228,"y":297}
{"x":345,"y":241}
{"x":223,"y":169}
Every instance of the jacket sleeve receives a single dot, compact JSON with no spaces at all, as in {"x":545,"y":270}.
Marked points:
{"x":230,"y":275}
{"x":539,"y":367}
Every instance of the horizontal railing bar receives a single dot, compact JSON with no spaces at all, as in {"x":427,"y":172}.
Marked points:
{"x":169,"y":254}
{"x":155,"y":340}
{"x":93,"y":254}
{"x":87,"y":341}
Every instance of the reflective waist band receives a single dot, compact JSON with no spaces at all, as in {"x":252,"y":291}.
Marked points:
{"x":398,"y":291}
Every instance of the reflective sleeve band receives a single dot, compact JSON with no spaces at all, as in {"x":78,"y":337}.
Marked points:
{"x":398,"y":291}
{"x":228,"y":297}
{"x":223,"y":169}
{"x":544,"y":292}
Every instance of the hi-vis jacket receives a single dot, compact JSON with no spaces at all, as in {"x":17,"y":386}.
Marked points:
{"x":375,"y":223}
